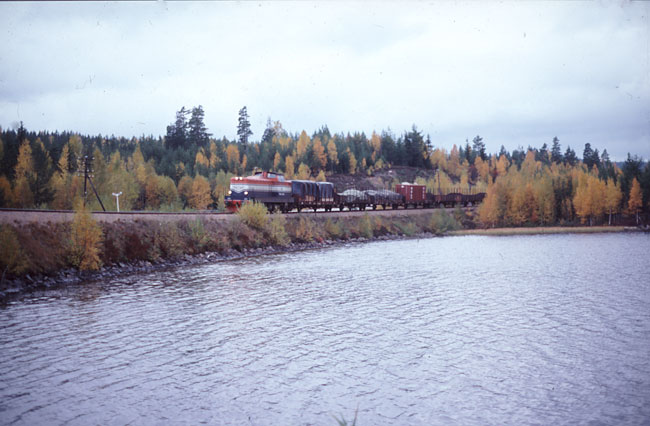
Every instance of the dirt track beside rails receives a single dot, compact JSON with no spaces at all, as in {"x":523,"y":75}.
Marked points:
{"x":15,"y":216}
{"x":56,"y":216}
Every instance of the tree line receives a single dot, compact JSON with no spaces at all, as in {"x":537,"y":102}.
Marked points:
{"x":188,"y":168}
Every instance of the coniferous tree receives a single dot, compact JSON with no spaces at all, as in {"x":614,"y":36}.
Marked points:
{"x":479,"y":147}
{"x":415,"y":148}
{"x":645,"y":185}
{"x":518,"y":156}
{"x":570,"y":156}
{"x":631,"y":170}
{"x":556,"y":153}
{"x":595,"y":158}
{"x":269,"y":132}
{"x":197,"y":132}
{"x":543,"y":155}
{"x":588,"y":156}
{"x":21,"y":133}
{"x":505,"y":152}
{"x":243,"y":128}
{"x":43,"y":170}
{"x":607,"y":168}
{"x":177,"y":132}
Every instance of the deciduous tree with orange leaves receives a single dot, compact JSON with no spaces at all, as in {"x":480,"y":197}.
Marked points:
{"x":589,"y":200}
{"x":200,"y":198}
{"x":635,"y":201}
{"x":613,"y":196}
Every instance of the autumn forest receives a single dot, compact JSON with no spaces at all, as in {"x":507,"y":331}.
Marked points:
{"x":189,"y":169}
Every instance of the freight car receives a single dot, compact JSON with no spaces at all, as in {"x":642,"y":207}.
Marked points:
{"x":384,"y":198}
{"x":414,"y":195}
{"x":454,"y":198}
{"x":277,"y":193}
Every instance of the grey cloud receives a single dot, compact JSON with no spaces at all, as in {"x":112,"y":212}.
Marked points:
{"x":519,"y":73}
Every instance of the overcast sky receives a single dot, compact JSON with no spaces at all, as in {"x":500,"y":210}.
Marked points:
{"x":516,"y":73}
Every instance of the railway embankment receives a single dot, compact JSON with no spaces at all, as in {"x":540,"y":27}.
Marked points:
{"x":81,"y":246}
{"x":43,"y":254}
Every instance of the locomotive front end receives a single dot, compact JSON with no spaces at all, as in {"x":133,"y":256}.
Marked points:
{"x":237,"y":195}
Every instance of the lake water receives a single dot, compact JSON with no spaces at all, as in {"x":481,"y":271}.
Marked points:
{"x":457,"y":330}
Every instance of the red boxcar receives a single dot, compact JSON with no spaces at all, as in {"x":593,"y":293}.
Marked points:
{"x":412,"y":193}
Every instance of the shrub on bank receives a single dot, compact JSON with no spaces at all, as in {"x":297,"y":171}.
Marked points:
{"x":12,"y":257}
{"x":242,"y":236}
{"x":365,"y":226}
{"x":168,"y":242}
{"x":85,"y":242}
{"x":254,"y":215}
{"x":380,"y":226}
{"x":442,"y":222}
{"x":408,"y":228}
{"x":333,"y":229}
{"x":277,"y":230}
{"x":303,"y":230}
{"x":198,"y":236}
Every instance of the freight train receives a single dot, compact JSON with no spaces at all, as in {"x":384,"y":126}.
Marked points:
{"x":278,"y":193}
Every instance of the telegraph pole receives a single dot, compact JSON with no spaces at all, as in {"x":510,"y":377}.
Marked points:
{"x":87,"y":162}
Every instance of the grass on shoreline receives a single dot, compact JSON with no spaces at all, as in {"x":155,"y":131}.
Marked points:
{"x":543,"y":230}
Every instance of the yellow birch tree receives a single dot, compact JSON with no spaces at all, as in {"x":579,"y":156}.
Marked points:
{"x":635,"y":202}
{"x":200,"y":198}
{"x":25,"y":176}
{"x":613,"y":199}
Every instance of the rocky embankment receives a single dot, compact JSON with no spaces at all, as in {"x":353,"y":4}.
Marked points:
{"x":13,"y":288}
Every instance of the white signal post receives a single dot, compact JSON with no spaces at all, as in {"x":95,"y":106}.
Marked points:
{"x":117,"y":200}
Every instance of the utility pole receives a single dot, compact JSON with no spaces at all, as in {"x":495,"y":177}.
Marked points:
{"x":117,"y":200}
{"x":87,"y":162}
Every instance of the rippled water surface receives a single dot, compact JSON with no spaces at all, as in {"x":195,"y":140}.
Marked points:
{"x":457,"y":330}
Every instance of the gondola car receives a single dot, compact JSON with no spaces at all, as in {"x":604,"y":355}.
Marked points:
{"x":325,"y":195}
{"x":304,"y":194}
{"x":352,"y":198}
{"x":384,"y":198}
{"x":307,"y":194}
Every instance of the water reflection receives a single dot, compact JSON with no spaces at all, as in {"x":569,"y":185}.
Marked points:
{"x":466,"y":330}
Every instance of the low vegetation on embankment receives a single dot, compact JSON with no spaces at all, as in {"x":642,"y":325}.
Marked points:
{"x":87,"y":245}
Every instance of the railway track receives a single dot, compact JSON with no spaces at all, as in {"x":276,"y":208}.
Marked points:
{"x":24,"y":216}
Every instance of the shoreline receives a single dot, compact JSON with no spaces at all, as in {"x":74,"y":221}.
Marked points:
{"x":548,"y":230}
{"x":17,"y":287}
